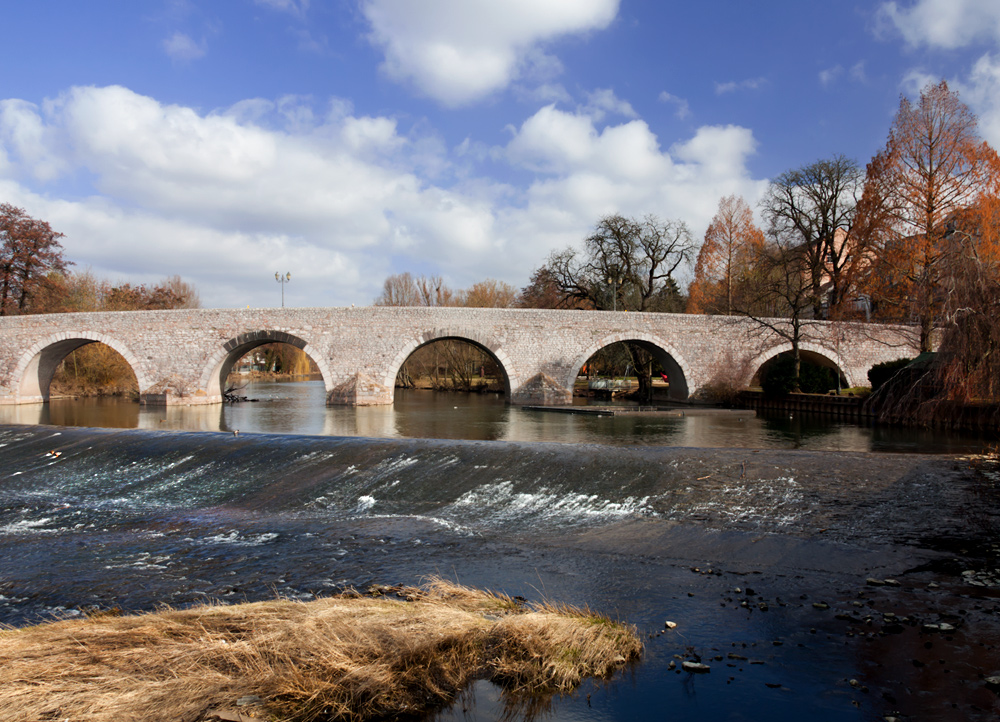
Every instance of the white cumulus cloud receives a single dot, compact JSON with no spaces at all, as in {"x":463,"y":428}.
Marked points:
{"x":733,"y":85}
{"x":982,"y":92}
{"x":227,"y":198}
{"x":683,"y":108}
{"x":459,"y":51}
{"x":944,"y":23}
{"x":181,"y":46}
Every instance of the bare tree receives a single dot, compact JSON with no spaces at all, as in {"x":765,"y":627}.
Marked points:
{"x":779,"y":296}
{"x":627,"y":265}
{"x":814,"y":208}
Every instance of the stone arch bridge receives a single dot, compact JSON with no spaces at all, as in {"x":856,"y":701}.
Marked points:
{"x":184,"y":356}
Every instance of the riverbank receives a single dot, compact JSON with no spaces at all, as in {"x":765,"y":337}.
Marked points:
{"x":345,"y":657}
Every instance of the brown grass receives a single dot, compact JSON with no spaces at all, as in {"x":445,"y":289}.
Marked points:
{"x":339,"y":658}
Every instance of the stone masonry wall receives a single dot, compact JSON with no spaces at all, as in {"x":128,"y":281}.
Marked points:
{"x":180,"y":356}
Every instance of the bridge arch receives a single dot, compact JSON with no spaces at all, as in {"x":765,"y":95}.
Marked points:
{"x":221,"y":362}
{"x":34,"y":371}
{"x":678,"y":371}
{"x":511,"y":379}
{"x":817,"y":353}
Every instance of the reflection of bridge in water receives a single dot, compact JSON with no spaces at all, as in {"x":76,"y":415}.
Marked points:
{"x":184,"y":356}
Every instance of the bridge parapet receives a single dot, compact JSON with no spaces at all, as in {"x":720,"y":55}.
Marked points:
{"x":183,"y":356}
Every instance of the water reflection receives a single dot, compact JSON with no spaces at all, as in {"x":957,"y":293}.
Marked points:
{"x":299,"y":408}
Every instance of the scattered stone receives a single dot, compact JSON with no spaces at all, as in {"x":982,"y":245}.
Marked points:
{"x":733,"y":655}
{"x":670,"y":625}
{"x":872,"y":582}
{"x":671,"y":664}
{"x":939,"y":627}
{"x":695,"y":667}
{"x":821,"y":605}
{"x":993,"y":681}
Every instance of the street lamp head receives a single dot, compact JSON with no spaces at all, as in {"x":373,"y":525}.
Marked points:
{"x":277,"y":276}
{"x":288,"y":276}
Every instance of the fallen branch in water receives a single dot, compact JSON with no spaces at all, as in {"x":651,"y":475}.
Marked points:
{"x":347,"y":657}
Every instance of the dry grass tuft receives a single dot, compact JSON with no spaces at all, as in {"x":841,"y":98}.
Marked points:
{"x":340,"y":658}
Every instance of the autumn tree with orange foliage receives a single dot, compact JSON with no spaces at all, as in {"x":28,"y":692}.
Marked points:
{"x":29,"y":252}
{"x":725,"y":257}
{"x":933,"y":169}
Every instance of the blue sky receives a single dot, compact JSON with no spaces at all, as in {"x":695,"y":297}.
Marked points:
{"x":344,"y":140}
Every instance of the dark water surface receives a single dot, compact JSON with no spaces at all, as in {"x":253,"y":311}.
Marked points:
{"x":735,"y":545}
{"x":733,"y":527}
{"x":299,"y":408}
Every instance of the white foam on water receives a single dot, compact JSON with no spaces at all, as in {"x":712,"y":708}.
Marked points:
{"x":234,"y":537}
{"x":364,"y":504}
{"x":503,"y":504}
{"x":446,"y":523}
{"x":28,"y":526}
{"x":779,"y":501}
{"x":143,"y":560}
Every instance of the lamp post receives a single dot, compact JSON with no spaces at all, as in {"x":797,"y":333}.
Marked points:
{"x":615,"y":282}
{"x":283,"y":280}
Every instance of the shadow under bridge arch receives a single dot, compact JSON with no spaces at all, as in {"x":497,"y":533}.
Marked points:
{"x":811,"y":354}
{"x":488,"y":347}
{"x":673,"y":365}
{"x":35,"y":370}
{"x":222,"y":361}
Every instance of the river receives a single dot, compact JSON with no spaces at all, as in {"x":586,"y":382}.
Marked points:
{"x":759,"y":548}
{"x":300,"y":408}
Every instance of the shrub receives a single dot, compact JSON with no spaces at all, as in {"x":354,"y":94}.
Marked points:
{"x":880,"y":373}
{"x":816,"y":379}
{"x":779,"y":377}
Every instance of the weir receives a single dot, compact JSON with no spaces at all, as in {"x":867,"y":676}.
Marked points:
{"x":183,"y":356}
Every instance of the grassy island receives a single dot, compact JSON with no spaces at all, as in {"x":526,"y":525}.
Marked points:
{"x":395,"y":652}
